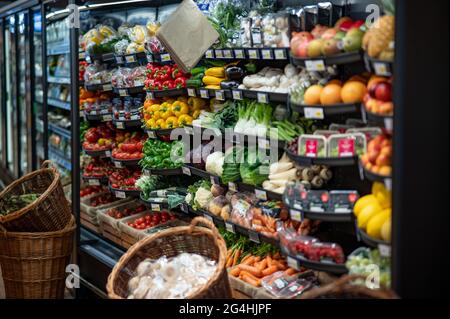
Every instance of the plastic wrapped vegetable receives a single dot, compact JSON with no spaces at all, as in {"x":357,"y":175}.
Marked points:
{"x":120,"y":48}
{"x":217,"y":204}
{"x":139,"y":34}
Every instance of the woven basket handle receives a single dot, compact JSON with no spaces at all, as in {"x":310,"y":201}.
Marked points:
{"x":49,"y":164}
{"x":208,"y":223}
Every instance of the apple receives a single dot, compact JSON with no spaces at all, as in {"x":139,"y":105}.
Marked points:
{"x":329,"y":34}
{"x":302,"y":49}
{"x":318,"y":31}
{"x":383,"y":160}
{"x":357,"y":24}
{"x":383,"y":92}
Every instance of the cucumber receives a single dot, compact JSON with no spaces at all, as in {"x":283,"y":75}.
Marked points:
{"x":194,"y":83}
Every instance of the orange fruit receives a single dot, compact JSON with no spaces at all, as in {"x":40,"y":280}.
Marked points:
{"x":385,"y":171}
{"x":331,"y":94}
{"x":335,"y":81}
{"x":358,"y":78}
{"x":353,"y":92}
{"x":312,"y":95}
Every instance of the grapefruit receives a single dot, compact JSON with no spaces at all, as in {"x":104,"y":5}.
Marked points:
{"x":368,"y":213}
{"x":353,"y":92}
{"x":312,"y":95}
{"x":331,"y":94}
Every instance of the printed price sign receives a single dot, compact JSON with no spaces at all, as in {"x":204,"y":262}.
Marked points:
{"x":314,"y":113}
{"x":219,"y":54}
{"x":227,"y":54}
{"x":388,"y":183}
{"x":186,"y":171}
{"x":315,"y":65}
{"x":280,"y":54}
{"x":230,"y":228}
{"x":263,"y":98}
{"x":232,"y":187}
{"x":385,"y":250}
{"x":260,"y":194}
{"x":118,"y":164}
{"x":151,"y":134}
{"x":94,"y":182}
{"x":119,"y":60}
{"x":191,"y":92}
{"x":381,"y":69}
{"x":81,"y":55}
{"x":149,"y":57}
{"x":239,"y":54}
{"x":267,"y":54}
{"x":150,"y":95}
{"x":108,"y":154}
{"x":123,"y":92}
{"x":107,"y":87}
{"x":389,"y":123}
{"x":166,"y":57}
{"x":121,"y":195}
{"x":130,"y":58}
{"x":155,"y":207}
{"x":253,"y":54}
{"x":107,"y":118}
{"x":254,"y":236}
{"x":220,"y":95}
{"x":204,"y":94}
{"x":209,"y":54}
{"x":296,"y":215}
{"x":237,"y":95}
{"x":120,"y":125}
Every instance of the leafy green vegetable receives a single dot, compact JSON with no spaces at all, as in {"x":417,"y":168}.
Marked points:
{"x":252,"y":171}
{"x":16,"y":202}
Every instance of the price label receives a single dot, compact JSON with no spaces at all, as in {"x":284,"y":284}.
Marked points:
{"x":135,"y":117}
{"x":149,"y":57}
{"x":191,"y":92}
{"x":138,"y":83}
{"x":239,"y":54}
{"x":82,"y":114}
{"x":123,"y":92}
{"x":209,"y":54}
{"x":166,"y":57}
{"x":232,"y":187}
{"x":388,"y":183}
{"x":280,"y":54}
{"x":120,"y":125}
{"x":315,"y":65}
{"x":260,"y":194}
{"x":253,"y":54}
{"x":389,"y":123}
{"x":385,"y":250}
{"x":155,"y":207}
{"x":263,"y":144}
{"x":296,"y":215}
{"x":293,"y":263}
{"x":254,"y":236}
{"x":219,"y":54}
{"x":108,"y":154}
{"x":121,"y":195}
{"x":230,"y":228}
{"x":88,"y":59}
{"x":94,"y":182}
{"x":187,"y":171}
{"x":208,"y":217}
{"x":107,"y":118}
{"x":119,"y":60}
{"x":151,"y":134}
{"x":130,"y":58}
{"x":118,"y":164}
{"x":220,"y":95}
{"x":150,"y":95}
{"x":381,"y":69}
{"x":314,"y":113}
{"x":267,"y":54}
{"x":237,"y":95}
{"x":204,"y":94}
{"x":263,"y":98}
{"x":107,"y":87}
{"x":189,"y":130}
{"x":214,"y":180}
{"x":81,"y":55}
{"x":227,"y":54}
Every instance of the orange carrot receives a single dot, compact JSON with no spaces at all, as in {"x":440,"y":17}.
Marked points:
{"x":249,"y":261}
{"x":243,"y":273}
{"x":235,"y":272}
{"x":257,"y":259}
{"x":251,"y":281}
{"x":253,"y":270}
{"x":230,"y":261}
{"x":269,"y":271}
{"x":277,"y":256}
{"x":290,"y":271}
{"x":245,"y":258}
{"x":279,"y":265}
{"x":236,"y":257}
{"x":269,"y":260}
{"x":262,"y":264}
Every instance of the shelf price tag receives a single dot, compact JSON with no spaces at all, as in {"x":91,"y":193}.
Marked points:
{"x":280,"y":54}
{"x":254,"y":236}
{"x":388,"y":183}
{"x":166,"y":57}
{"x":107,"y":118}
{"x":220,"y":95}
{"x":108,"y":154}
{"x":186,"y":171}
{"x":209,"y":54}
{"x":314,"y":113}
{"x":228,"y":54}
{"x":267,"y":54}
{"x":121,"y":195}
{"x":389,"y":123}
{"x":204,"y":93}
{"x":120,"y":125}
{"x":239,"y":54}
{"x":263,"y":98}
{"x":191,"y":92}
{"x":237,"y":95}
{"x":214,"y":180}
{"x":381,"y":69}
{"x":151,"y":134}
{"x":130,"y":58}
{"x":232,"y":187}
{"x":219,"y":54}
{"x":385,"y":250}
{"x":88,"y":59}
{"x":123,"y":92}
{"x":119,"y":60}
{"x":150,"y":95}
{"x":155,"y":207}
{"x":297,"y":215}
{"x":260,"y":194}
{"x":253,"y":54}
{"x":149,"y":57}
{"x":118,"y":164}
{"x":315,"y":65}
{"x":230,"y":228}
{"x":293,"y":263}
{"x":94,"y":182}
{"x":208,"y":217}
{"x":107,"y":87}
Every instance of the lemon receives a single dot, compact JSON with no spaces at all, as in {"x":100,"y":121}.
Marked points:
{"x":384,"y":198}
{"x":386,"y":230}
{"x":367,"y":213}
{"x":363,"y":202}
{"x":378,"y":187}
{"x":376,"y":223}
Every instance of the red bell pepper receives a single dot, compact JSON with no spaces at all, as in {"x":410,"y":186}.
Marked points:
{"x":162,"y":75}
{"x":168,"y":85}
{"x":177,"y":73}
{"x":158,"y":85}
{"x":180,"y":82}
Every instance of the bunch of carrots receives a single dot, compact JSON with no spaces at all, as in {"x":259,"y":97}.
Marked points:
{"x":253,"y":269}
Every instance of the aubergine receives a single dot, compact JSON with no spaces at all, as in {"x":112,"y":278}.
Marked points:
{"x":234,"y":73}
{"x":228,"y":85}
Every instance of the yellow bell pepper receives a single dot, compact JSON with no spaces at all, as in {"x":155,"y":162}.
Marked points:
{"x":180,"y":108}
{"x":160,"y":124}
{"x":172,"y":122}
{"x":196,"y":114}
{"x":166,"y":111}
{"x":157,"y":115}
{"x":154,"y":108}
{"x":151,"y":124}
{"x":185,"y":119}
{"x":196,"y":103}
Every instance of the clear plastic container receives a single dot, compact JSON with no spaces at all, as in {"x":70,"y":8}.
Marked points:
{"x":325,"y":252}
{"x":341,"y":128}
{"x":313,"y":146}
{"x":295,"y":289}
{"x":347,"y":145}
{"x":326,"y":133}
{"x":369,"y":132}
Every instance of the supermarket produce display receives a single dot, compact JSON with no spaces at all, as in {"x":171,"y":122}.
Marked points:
{"x":282,"y":136}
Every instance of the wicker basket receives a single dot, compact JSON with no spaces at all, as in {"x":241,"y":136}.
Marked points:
{"x":170,"y":243}
{"x":50,"y":212}
{"x":343,"y":289}
{"x":34,"y":264}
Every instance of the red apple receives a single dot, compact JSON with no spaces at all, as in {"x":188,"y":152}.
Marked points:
{"x":302,"y":49}
{"x":357,"y":24}
{"x":383,"y":92}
